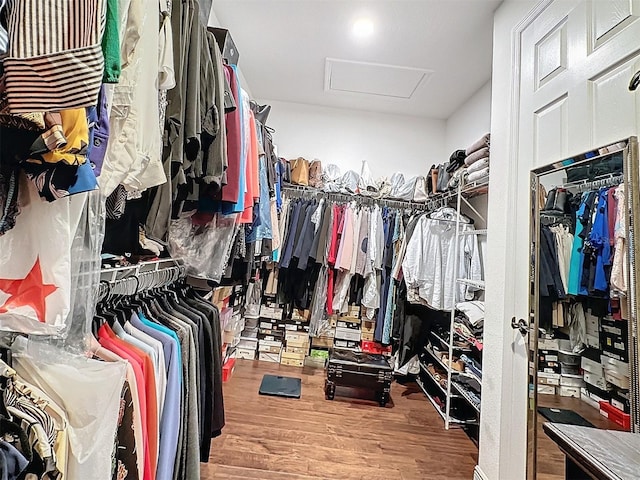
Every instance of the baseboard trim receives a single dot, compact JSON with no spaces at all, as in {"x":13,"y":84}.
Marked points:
{"x":478,"y":474}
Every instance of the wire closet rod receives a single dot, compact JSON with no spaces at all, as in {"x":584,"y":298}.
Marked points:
{"x":609,"y":180}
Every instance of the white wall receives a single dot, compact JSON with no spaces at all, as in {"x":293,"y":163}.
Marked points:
{"x":214,"y":22}
{"x":389,"y":143}
{"x":504,"y":381}
{"x":471,"y":121}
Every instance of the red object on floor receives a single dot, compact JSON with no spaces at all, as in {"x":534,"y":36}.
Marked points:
{"x":227,"y":369}
{"x":375,"y":347}
{"x":615,"y":415}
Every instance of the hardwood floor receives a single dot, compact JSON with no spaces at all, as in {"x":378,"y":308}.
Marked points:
{"x":550,"y":457}
{"x":310,"y":438}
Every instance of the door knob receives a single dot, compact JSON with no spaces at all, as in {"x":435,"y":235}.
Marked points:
{"x":635,"y":81}
{"x":520,"y":325}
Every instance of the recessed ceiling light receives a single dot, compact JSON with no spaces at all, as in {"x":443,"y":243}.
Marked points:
{"x":363,"y":28}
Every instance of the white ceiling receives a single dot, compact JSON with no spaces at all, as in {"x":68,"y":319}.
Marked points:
{"x":284,"y":46}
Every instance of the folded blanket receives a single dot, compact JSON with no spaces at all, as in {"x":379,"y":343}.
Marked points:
{"x":477,"y":155}
{"x":479,"y":165}
{"x":475,"y":176}
{"x":485,"y":141}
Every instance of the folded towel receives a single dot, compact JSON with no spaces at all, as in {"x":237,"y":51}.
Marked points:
{"x":485,"y":141}
{"x":477,"y":155}
{"x":479,"y":165}
{"x":475,"y":176}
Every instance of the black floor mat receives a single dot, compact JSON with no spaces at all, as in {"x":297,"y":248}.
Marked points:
{"x":560,"y":415}
{"x":278,"y":386}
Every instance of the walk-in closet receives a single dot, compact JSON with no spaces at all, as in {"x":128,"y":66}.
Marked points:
{"x":320,"y":239}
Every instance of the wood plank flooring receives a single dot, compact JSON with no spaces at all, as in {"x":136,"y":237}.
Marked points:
{"x":312,"y":438}
{"x":550,"y":457}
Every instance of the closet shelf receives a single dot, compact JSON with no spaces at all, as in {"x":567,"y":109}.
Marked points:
{"x":466,"y":373}
{"x":443,"y":389}
{"x":445,"y":344}
{"x":479,"y":284}
{"x":470,"y":374}
{"x":482,"y":231}
{"x":463,"y":392}
{"x":437,"y":407}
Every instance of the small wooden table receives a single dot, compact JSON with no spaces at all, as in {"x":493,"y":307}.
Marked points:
{"x":596,"y":454}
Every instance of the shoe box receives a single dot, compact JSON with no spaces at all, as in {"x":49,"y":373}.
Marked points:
{"x":615,"y":415}
{"x":322,"y":342}
{"x":271,"y":311}
{"x":548,"y":361}
{"x":616,"y":372}
{"x":572,"y":381}
{"x":547,"y":389}
{"x":586,"y":398}
{"x":375,"y":347}
{"x":592,"y":369}
{"x":545,"y":378}
{"x":269,"y":346}
{"x":228,"y":368}
{"x":269,"y":357}
{"x":247,"y":348}
{"x":346,"y":344}
{"x":620,"y":400}
{"x":565,"y":391}
{"x":614,"y":338}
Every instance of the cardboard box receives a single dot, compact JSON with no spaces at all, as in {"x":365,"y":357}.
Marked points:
{"x":348,"y":344}
{"x":569,"y":391}
{"x":369,"y":326}
{"x":296,"y":350}
{"x":269,"y":357}
{"x":366,"y":337}
{"x":297,"y":338}
{"x":546,"y":390}
{"x":322,"y":342}
{"x":269,"y":348}
{"x":545,"y":378}
{"x":347,"y":334}
{"x":572,"y":381}
{"x":595,"y":380}
{"x":315,"y":352}
{"x":314,"y":362}
{"x":294,"y":356}
{"x":292,"y":362}
{"x":584,"y":396}
{"x":245,"y":353}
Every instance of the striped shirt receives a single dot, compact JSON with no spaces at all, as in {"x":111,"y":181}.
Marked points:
{"x":55,"y":58}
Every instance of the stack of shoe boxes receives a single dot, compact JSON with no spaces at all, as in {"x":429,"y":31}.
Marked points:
{"x":270,"y":335}
{"x":614,"y":339}
{"x":593,"y":330}
{"x":596,"y":388}
{"x":296,"y":348}
{"x":319,"y":353}
{"x":348,"y":332}
{"x":367,"y":330}
{"x":548,"y":366}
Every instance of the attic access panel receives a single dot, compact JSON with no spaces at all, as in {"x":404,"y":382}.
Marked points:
{"x":373,"y":78}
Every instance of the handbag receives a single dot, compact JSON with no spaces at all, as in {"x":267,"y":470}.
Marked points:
{"x":300,"y":171}
{"x":420,"y":190}
{"x":315,"y":174}
{"x":443,"y":177}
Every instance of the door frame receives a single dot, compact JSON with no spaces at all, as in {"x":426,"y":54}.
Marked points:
{"x":503,"y":447}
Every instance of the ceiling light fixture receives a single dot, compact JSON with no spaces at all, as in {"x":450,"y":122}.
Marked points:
{"x":363,"y":28}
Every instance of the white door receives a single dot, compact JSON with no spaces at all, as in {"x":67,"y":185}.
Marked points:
{"x":576,"y":60}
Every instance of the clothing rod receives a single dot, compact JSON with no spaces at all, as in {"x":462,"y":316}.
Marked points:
{"x":608,"y":180}
{"x":297,"y":191}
